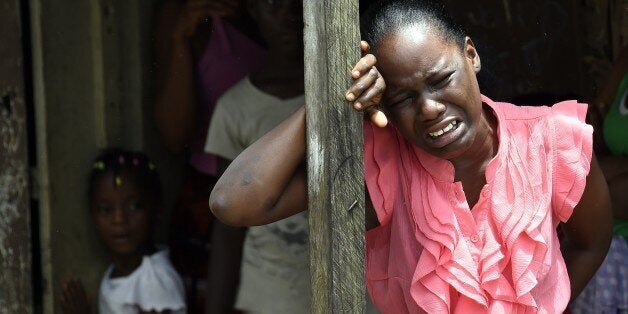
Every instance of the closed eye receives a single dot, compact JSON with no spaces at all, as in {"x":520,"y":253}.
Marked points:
{"x":399,"y":101}
{"x":442,"y":81}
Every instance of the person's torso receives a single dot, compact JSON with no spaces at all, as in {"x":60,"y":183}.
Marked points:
{"x":476,"y":258}
{"x":154,"y":285}
{"x":228,"y":57}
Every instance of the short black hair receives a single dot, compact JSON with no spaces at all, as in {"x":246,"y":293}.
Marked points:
{"x":384,"y":17}
{"x":136,"y":164}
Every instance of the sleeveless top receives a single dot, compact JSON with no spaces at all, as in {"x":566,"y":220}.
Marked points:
{"x":434,"y":254}
{"x":229,"y":56}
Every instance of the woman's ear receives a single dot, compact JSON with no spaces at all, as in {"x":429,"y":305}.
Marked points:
{"x":472,"y":54}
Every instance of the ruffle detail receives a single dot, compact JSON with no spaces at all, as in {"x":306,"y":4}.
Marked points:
{"x":572,"y":161}
{"x":446,"y":260}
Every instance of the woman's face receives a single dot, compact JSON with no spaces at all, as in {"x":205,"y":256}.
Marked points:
{"x":432,"y":95}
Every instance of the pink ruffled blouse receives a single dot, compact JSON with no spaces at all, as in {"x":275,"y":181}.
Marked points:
{"x":432,"y":253}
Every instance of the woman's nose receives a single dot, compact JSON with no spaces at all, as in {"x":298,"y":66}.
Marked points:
{"x":431,"y":109}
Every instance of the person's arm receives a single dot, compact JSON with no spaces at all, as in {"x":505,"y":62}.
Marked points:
{"x":176,"y":102}
{"x":224,"y":262}
{"x":176,"y":99}
{"x":588,"y":231}
{"x":267,"y":181}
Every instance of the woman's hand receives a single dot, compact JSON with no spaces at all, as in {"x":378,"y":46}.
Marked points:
{"x":74,"y":299}
{"x":194,"y":12}
{"x":368,"y":87}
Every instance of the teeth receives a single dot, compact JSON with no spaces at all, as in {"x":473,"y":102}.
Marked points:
{"x":448,"y":128}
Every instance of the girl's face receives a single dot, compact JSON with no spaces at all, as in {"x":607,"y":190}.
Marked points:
{"x":432,"y":95}
{"x":123,"y":214}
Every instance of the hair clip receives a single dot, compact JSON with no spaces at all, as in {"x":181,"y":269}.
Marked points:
{"x":99,"y":165}
{"x":135,"y":161}
{"x":151,"y":166}
{"x":121,"y":160}
{"x":118,"y":180}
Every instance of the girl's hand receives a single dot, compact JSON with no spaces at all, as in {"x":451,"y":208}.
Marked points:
{"x":74,"y":299}
{"x":194,"y":12}
{"x":368,"y":87}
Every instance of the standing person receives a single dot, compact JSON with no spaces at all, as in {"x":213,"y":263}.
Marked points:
{"x":274,"y":273}
{"x":607,"y":292}
{"x":202,"y":47}
{"x":466,"y":192}
{"x":124,"y":200}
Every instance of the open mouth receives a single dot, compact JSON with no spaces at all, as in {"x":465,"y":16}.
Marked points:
{"x":448,"y":128}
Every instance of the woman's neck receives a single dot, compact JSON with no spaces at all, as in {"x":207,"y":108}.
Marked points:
{"x":482,"y":151}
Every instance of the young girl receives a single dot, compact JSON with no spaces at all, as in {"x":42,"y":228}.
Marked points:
{"x":124,"y":199}
{"x":466,"y":192}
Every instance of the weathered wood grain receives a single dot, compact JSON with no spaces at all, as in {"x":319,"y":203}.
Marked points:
{"x":335,"y":175}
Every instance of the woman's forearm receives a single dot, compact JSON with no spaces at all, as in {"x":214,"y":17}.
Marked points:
{"x":266,"y":182}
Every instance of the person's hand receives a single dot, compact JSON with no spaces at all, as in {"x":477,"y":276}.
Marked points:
{"x":368,"y":87}
{"x":74,"y":299}
{"x":194,"y":12}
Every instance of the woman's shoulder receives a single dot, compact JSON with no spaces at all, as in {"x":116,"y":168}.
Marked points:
{"x":565,"y":117}
{"x":566,"y":108}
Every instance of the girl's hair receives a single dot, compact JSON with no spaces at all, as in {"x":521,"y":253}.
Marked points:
{"x":134,"y":164}
{"x":385,"y":17}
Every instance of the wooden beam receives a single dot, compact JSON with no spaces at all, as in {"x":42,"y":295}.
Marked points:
{"x":335,"y":175}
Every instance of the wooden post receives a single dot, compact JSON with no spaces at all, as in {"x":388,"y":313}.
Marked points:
{"x":335,"y":175}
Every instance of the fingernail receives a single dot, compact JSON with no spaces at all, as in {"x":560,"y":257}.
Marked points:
{"x":350,"y":97}
{"x":357,"y":105}
{"x":356,"y":74}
